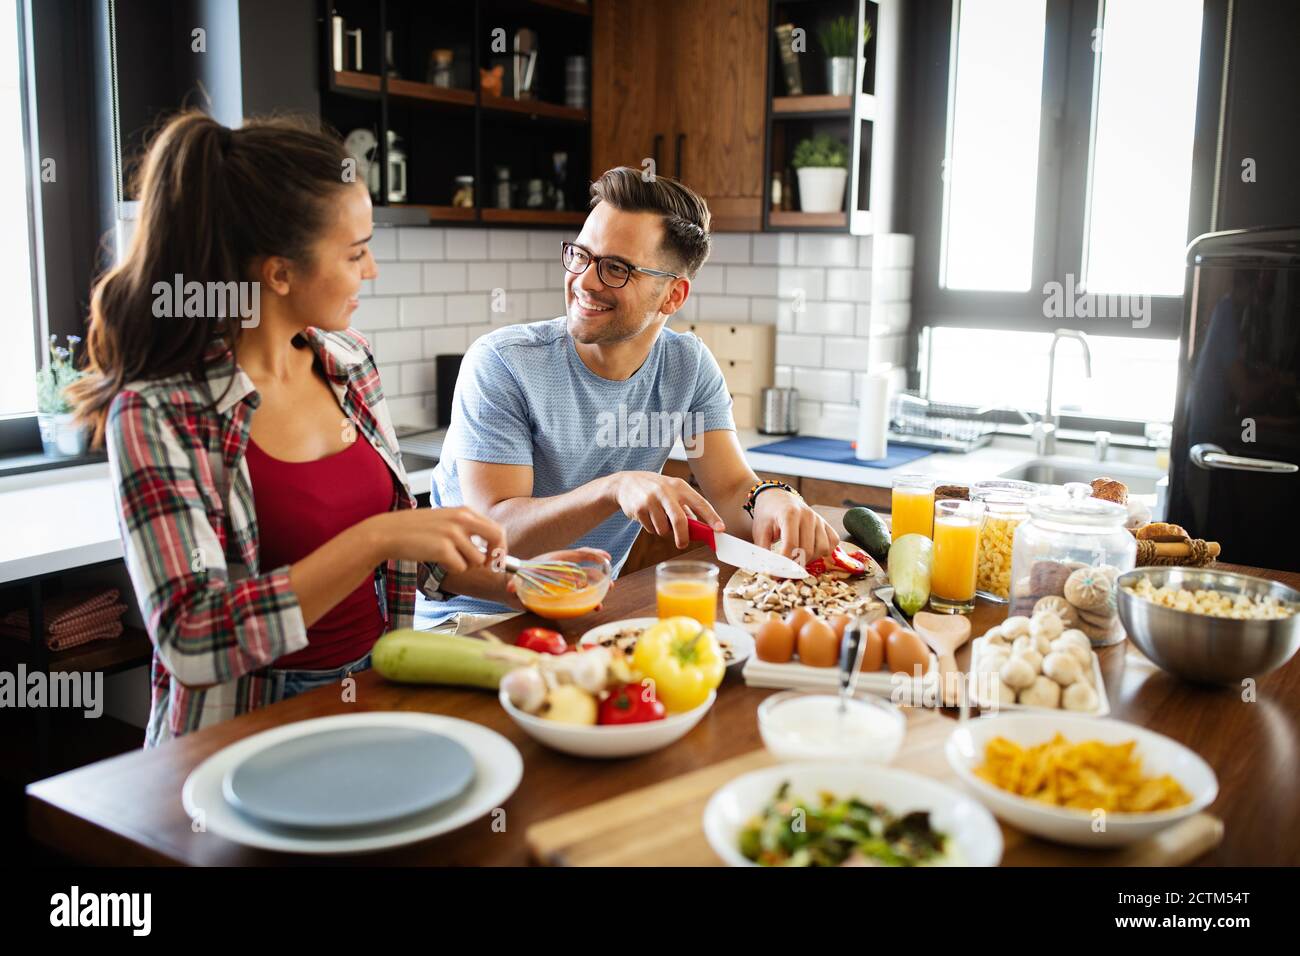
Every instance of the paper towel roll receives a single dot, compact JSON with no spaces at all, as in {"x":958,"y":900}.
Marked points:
{"x":873,"y":417}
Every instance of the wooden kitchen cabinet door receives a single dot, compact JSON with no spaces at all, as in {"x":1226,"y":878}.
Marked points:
{"x":719,"y":90}
{"x":631,"y":115}
{"x":842,"y":494}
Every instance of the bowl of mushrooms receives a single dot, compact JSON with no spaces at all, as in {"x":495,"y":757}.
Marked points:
{"x":1037,"y":663}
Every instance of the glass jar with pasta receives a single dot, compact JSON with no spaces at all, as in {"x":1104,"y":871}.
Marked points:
{"x":1004,"y":508}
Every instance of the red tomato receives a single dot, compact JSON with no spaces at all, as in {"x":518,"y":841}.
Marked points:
{"x":630,"y":704}
{"x":542,"y":640}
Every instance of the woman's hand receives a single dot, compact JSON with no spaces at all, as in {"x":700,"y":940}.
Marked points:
{"x":439,"y":536}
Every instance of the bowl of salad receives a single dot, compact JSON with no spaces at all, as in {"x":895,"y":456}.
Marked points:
{"x":824,"y":814}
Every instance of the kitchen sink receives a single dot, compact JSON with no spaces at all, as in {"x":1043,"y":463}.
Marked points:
{"x":1060,"y":470}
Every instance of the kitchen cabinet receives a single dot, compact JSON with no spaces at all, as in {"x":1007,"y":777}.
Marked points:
{"x":843,"y":494}
{"x":745,"y":353}
{"x":691,"y":100}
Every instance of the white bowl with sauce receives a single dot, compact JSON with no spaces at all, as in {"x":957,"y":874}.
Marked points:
{"x":798,"y":726}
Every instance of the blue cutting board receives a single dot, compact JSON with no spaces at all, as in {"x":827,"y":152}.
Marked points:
{"x":840,"y":452}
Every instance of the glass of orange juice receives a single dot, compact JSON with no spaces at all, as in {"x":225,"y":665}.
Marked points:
{"x":912,"y":507}
{"x":687,"y":588}
{"x":956,"y":546}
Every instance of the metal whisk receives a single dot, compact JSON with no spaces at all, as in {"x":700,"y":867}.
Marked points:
{"x":548,"y":577}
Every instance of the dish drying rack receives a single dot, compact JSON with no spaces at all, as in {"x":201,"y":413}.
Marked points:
{"x":942,"y":426}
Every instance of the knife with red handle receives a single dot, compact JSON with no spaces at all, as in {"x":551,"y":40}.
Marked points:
{"x":744,"y":554}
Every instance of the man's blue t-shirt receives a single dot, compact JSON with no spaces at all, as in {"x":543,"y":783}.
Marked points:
{"x":524,"y":397}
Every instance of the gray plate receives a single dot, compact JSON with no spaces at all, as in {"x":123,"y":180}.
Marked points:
{"x":351,"y":777}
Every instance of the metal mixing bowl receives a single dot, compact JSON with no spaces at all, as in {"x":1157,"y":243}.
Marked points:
{"x":1208,"y":650}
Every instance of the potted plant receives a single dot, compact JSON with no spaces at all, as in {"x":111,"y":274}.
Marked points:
{"x":837,"y":41}
{"x":61,"y":436}
{"x":821,"y":163}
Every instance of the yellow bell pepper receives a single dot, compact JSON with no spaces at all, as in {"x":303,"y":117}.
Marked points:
{"x":683,"y":659}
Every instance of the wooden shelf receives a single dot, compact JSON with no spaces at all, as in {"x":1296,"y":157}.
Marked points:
{"x":442,"y":213}
{"x":348,"y":80}
{"x":535,"y":108}
{"x":550,"y":217}
{"x":790,"y":219}
{"x":428,"y":93}
{"x":830,"y":105}
{"x":131,"y":649}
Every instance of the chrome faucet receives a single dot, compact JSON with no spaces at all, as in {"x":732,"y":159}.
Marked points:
{"x":1045,"y":430}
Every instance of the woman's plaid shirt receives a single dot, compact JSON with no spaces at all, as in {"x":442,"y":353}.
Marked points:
{"x":217,"y":619}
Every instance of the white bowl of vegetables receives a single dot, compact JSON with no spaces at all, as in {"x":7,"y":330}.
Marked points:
{"x":599,"y":702}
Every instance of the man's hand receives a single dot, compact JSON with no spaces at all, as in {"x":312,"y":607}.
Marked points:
{"x":781,"y":516}
{"x":659,"y":504}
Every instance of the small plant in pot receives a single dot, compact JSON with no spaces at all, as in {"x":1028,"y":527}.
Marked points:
{"x":838,"y":43}
{"x":821,"y":163}
{"x":61,"y":436}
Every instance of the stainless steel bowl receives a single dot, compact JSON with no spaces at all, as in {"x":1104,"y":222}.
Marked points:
{"x":1208,"y":650}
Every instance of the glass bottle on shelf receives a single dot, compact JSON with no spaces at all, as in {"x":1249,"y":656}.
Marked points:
{"x":503,"y":187}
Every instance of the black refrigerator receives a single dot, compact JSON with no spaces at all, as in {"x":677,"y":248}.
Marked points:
{"x":1233,"y":475}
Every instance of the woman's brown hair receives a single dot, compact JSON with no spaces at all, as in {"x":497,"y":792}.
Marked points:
{"x":212,"y":200}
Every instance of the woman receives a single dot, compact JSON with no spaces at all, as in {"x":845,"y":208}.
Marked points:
{"x":268,"y":527}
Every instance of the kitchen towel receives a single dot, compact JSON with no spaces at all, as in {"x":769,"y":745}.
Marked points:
{"x":873,"y":418}
{"x":72,"y":619}
{"x":841,"y":452}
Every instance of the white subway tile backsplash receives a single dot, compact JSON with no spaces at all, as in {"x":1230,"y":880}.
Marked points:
{"x":396,"y":346}
{"x":421,"y":310}
{"x":383,"y":244}
{"x":413,"y":410}
{"x":851,"y":284}
{"x":467,"y":244}
{"x":783,"y":376}
{"x":546,"y":245}
{"x":398,"y":278}
{"x":765,"y":311}
{"x":773,"y":248}
{"x":375,"y":314}
{"x":546,"y":305}
{"x":893,"y":251}
{"x":807,"y":285}
{"x":729,"y":247}
{"x":751,"y":280}
{"x":467,"y":309}
{"x":825,"y":318}
{"x":891,"y":285}
{"x":419,"y":377}
{"x":446,"y":341}
{"x":887,"y":348}
{"x":486,"y":276}
{"x":839,"y":420}
{"x":710,"y":279}
{"x":535,"y":275}
{"x":415,"y":242}
{"x":445,"y":277}
{"x":847,"y":352}
{"x":508,"y":244}
{"x":722,"y":308}
{"x":824,"y":385}
{"x":866,"y":246}
{"x":814,"y":250}
{"x":390,"y":377}
{"x":799,"y":350}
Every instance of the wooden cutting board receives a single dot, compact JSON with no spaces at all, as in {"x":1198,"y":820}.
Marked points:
{"x":735,"y":608}
{"x":662,"y":825}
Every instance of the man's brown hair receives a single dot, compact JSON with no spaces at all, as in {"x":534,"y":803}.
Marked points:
{"x":685,"y":213}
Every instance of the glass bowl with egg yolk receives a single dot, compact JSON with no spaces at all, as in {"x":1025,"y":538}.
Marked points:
{"x":559,"y":603}
{"x":802,"y":726}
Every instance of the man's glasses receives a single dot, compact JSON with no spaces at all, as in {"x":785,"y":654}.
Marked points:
{"x":614,"y":273}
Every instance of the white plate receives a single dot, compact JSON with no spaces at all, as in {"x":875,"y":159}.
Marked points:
{"x":974,"y":831}
{"x":739,"y":640}
{"x":1159,"y":755}
{"x":498,"y":770}
{"x":1098,"y":684}
{"x":625,"y":740}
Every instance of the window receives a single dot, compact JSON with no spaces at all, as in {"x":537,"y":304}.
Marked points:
{"x":991,"y":173}
{"x":17,"y":264}
{"x":1141,"y":170}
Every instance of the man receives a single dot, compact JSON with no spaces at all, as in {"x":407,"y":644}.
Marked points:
{"x":560,"y":428}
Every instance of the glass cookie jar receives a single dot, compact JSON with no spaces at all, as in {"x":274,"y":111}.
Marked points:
{"x":1066,"y":558}
{"x":1005,"y":507}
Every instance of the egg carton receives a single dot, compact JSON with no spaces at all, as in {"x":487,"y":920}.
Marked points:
{"x":907,"y":692}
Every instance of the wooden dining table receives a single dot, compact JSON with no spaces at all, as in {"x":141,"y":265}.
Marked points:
{"x":127,"y":810}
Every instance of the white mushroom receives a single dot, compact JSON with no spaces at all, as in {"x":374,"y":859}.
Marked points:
{"x":1080,"y":696}
{"x":1032,"y":658}
{"x":1016,"y":673}
{"x":1046,"y":624}
{"x":1062,"y":668}
{"x":1043,"y":692}
{"x":1014,"y":627}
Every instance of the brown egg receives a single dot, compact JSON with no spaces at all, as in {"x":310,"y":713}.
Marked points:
{"x":886,"y":626}
{"x":873,"y":654}
{"x":818,"y":645}
{"x":839,"y":623}
{"x":904,"y":651}
{"x":774,"y":642}
{"x":797,"y":618}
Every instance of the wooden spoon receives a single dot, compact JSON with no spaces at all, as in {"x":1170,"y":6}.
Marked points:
{"x":944,"y":633}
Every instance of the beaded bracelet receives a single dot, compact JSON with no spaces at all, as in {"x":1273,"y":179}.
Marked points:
{"x":763,"y":486}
